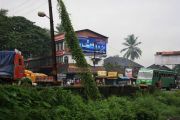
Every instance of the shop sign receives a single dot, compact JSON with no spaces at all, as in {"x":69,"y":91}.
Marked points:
{"x":120,"y":75}
{"x":112,"y":74}
{"x":128,"y":72}
{"x":102,"y":73}
{"x":61,"y":76}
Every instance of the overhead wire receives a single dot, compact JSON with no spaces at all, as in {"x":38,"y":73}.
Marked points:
{"x":31,"y":10}
{"x":18,"y":6}
{"x":22,"y":7}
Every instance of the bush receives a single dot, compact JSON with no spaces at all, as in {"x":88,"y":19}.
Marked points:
{"x":29,"y":103}
{"x":25,"y":81}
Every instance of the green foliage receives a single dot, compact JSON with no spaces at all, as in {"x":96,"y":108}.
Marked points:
{"x":59,"y":28}
{"x":132,"y":51}
{"x":26,"y":81}
{"x":3,"y":12}
{"x":19,"y":33}
{"x":72,"y":41}
{"x":29,"y":103}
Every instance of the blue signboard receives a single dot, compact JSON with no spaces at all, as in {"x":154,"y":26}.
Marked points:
{"x":91,"y":45}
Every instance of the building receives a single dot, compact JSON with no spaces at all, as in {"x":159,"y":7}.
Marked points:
{"x":93,"y":45}
{"x":94,"y":48}
{"x":167,"y":58}
{"x":121,"y":64}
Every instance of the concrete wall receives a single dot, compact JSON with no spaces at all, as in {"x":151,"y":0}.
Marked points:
{"x":167,"y":60}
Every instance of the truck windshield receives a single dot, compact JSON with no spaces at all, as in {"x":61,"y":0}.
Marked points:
{"x":145,"y":75}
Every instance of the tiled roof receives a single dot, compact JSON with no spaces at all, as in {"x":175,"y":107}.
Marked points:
{"x":159,"y":67}
{"x":124,"y":62}
{"x":168,"y":53}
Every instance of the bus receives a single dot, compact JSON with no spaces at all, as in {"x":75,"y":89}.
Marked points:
{"x":157,"y":78}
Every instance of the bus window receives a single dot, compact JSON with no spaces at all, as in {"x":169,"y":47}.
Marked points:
{"x":145,"y":75}
{"x":155,"y":74}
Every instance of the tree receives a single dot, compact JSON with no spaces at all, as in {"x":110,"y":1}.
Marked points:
{"x":3,"y":12}
{"x":59,"y":28}
{"x":72,"y":41}
{"x":19,"y":33}
{"x":132,"y":51}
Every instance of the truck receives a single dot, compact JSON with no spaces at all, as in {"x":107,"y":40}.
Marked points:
{"x":11,"y":66}
{"x":12,"y":69}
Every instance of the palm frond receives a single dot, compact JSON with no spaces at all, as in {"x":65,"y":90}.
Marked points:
{"x":138,"y":50}
{"x":126,"y":44}
{"x":137,"y":43}
{"x":123,"y":49}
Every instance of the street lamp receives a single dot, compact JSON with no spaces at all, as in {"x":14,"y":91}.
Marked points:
{"x":42,"y":14}
{"x":53,"y":44}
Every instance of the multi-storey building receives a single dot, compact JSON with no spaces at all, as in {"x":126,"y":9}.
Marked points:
{"x":94,"y":46}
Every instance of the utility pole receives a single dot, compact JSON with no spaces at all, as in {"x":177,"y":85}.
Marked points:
{"x":53,"y":44}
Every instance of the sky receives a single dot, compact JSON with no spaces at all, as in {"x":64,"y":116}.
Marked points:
{"x":156,"y":23}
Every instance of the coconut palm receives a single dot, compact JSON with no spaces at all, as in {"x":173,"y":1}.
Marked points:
{"x":131,"y":51}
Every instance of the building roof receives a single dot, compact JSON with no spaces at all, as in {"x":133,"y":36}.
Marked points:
{"x":124,"y":62}
{"x":168,"y":53}
{"x":159,"y":67}
{"x":61,"y":35}
{"x":92,"y":32}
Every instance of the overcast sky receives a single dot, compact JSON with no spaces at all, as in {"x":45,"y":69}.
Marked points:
{"x":155,"y":22}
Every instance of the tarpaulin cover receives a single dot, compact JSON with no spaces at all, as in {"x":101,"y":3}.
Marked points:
{"x":7,"y":63}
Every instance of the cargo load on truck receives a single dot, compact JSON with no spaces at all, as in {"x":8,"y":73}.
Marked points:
{"x":7,"y":64}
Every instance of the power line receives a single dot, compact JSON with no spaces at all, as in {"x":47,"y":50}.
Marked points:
{"x":17,"y":6}
{"x":22,"y":6}
{"x":30,"y":11}
{"x":27,"y":7}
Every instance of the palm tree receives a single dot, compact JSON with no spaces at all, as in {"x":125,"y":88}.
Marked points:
{"x":132,"y":51}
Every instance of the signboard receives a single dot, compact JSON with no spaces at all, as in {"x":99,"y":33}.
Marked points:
{"x":112,"y":74}
{"x":102,"y":73}
{"x":91,"y":45}
{"x":61,"y":76}
{"x":120,"y":75}
{"x":128,"y":72}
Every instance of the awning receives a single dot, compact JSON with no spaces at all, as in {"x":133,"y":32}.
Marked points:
{"x":74,"y":69}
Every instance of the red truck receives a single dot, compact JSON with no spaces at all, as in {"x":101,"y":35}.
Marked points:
{"x":11,"y":66}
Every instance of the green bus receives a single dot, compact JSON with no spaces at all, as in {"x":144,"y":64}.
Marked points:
{"x":157,"y":78}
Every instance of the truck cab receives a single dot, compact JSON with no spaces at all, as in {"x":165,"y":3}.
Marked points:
{"x":11,"y":65}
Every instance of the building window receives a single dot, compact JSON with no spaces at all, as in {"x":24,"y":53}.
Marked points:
{"x":59,"y":46}
{"x":56,"y":46}
{"x":66,"y":61}
{"x":59,"y":59}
